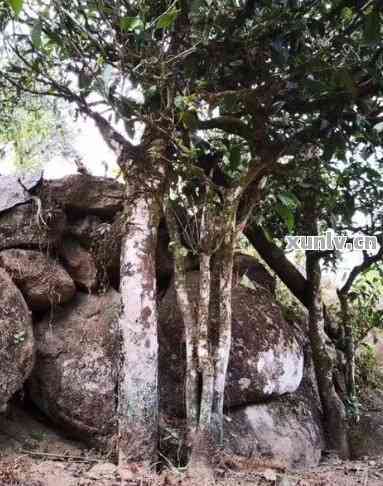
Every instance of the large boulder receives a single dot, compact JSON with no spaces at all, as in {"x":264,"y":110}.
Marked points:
{"x":84,"y":229}
{"x":15,"y":189}
{"x":42,"y":280}
{"x":16,"y":340}
{"x":266,"y":358}
{"x":84,"y":194}
{"x":366,"y":436}
{"x":74,"y":380}
{"x":79,"y":263}
{"x":285,"y":430}
{"x":249,"y":267}
{"x":28,"y":226}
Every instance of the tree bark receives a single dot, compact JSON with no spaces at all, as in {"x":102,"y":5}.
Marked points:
{"x":288,"y":273}
{"x":324,"y":361}
{"x":184,"y":304}
{"x":276,"y":259}
{"x":138,"y":390}
{"x":349,"y":351}
{"x":222,"y":352}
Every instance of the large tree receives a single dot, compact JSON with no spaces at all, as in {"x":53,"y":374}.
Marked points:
{"x":257,"y":81}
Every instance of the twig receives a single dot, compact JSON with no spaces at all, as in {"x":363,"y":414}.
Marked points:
{"x":37,"y":201}
{"x":59,"y":457}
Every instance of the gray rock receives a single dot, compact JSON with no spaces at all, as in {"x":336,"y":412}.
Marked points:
{"x":266,"y":358}
{"x":84,"y":194}
{"x":22,"y":227}
{"x":79,"y":263}
{"x":366,"y":436}
{"x":13,"y":193}
{"x":42,"y":280}
{"x":285,"y":430}
{"x":74,"y":380}
{"x":16,"y":340}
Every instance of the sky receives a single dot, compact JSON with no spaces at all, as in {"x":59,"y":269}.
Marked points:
{"x":93,"y":150}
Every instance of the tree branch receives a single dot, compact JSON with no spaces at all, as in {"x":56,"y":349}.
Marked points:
{"x":368,"y":260}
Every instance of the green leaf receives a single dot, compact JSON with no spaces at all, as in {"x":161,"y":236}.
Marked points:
{"x":167,"y":19}
{"x":372,"y":27}
{"x":16,"y":5}
{"x":179,"y":102}
{"x":288,"y":199}
{"x":235,"y":156}
{"x":36,"y":34}
{"x":189,"y":119}
{"x":379,"y":127}
{"x":128,"y":24}
{"x":343,"y":79}
{"x":347,"y":14}
{"x":286,"y":215}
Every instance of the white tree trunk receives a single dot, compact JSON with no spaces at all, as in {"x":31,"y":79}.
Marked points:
{"x":138,"y":390}
{"x":185,"y":307}
{"x":205,"y":359}
{"x":222,"y":352}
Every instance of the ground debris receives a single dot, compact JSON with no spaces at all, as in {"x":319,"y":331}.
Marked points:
{"x":22,"y":470}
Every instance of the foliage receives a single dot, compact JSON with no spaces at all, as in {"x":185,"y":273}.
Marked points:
{"x":368,"y":374}
{"x":226,"y":92}
{"x":32,"y":132}
{"x":367,"y":311}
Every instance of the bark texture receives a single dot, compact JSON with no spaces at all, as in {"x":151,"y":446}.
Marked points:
{"x":349,"y":351}
{"x":138,"y":389}
{"x":138,"y":323}
{"x":324,"y":362}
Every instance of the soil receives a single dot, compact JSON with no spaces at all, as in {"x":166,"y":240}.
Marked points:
{"x":34,"y":454}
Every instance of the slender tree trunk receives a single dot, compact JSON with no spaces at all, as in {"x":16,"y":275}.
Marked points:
{"x":207,"y":358}
{"x":324,"y":362}
{"x":205,"y":362}
{"x":191,"y":381}
{"x":349,"y":350}
{"x":222,"y":352}
{"x":138,"y":392}
{"x":202,"y":443}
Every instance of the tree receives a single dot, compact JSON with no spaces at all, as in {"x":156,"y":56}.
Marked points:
{"x":261,"y":85}
{"x":33,"y":131}
{"x":325,"y":195}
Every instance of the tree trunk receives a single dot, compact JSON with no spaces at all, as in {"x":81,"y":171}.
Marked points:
{"x":349,"y":350}
{"x":324,"y":362}
{"x":202,"y":442}
{"x":138,"y":391}
{"x":191,"y":381}
{"x":276,"y":258}
{"x":222,"y":352}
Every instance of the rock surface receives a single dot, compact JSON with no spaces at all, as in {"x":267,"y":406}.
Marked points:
{"x":83,"y":194}
{"x":366,"y":436}
{"x":43,"y":281}
{"x":16,"y":340}
{"x":247,"y":265}
{"x":266,"y":358}
{"x":12,"y":191}
{"x":284,"y":430}
{"x":74,"y":380}
{"x":23,"y":227}
{"x":79,"y":263}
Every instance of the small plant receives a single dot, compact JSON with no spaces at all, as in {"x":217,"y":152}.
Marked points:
{"x":353,"y":408}
{"x":37,"y":435}
{"x":19,"y":337}
{"x":368,"y":374}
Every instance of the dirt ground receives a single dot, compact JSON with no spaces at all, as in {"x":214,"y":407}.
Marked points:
{"x":32,"y":454}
